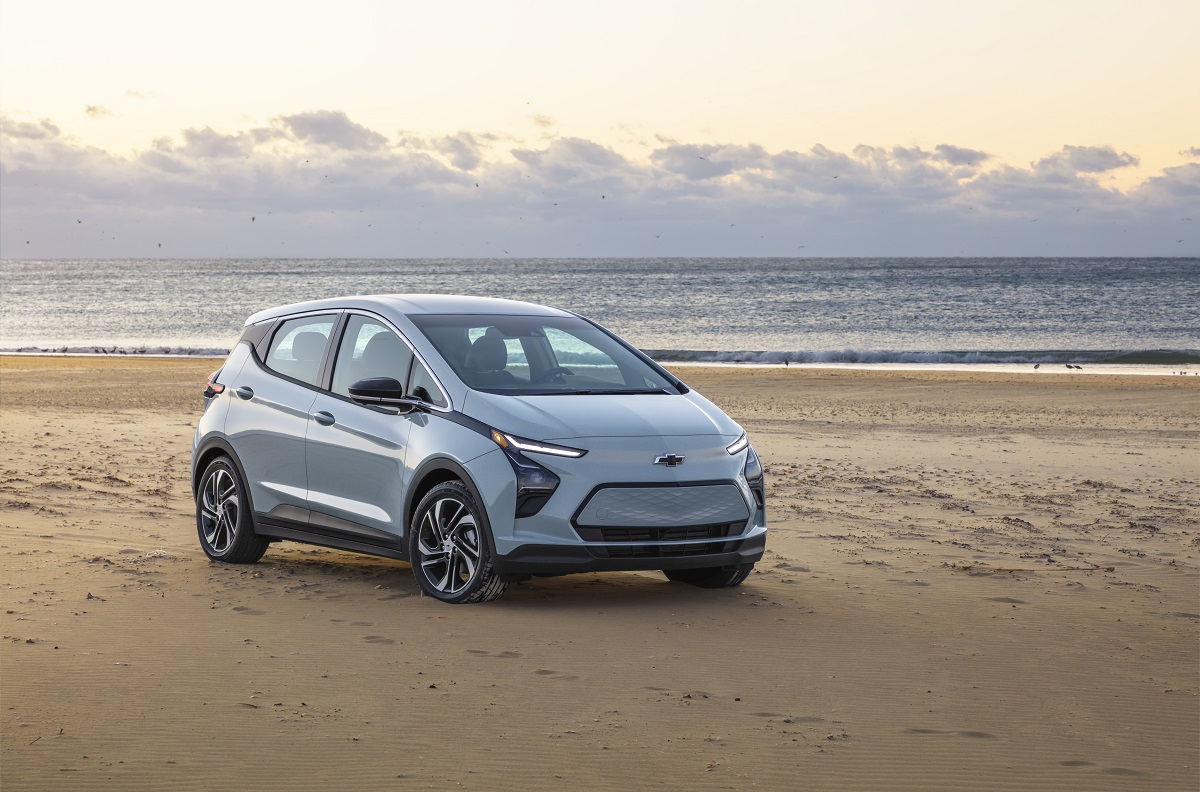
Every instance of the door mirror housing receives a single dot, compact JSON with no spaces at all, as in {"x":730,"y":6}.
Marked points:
{"x":382,"y":392}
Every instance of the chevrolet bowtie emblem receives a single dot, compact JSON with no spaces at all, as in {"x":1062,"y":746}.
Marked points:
{"x":670,"y":460}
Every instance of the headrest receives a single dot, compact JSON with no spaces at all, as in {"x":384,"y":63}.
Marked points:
{"x":384,"y":352}
{"x":308,"y":346}
{"x":488,"y":352}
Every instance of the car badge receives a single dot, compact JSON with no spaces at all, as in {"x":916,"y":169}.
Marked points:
{"x":670,"y":460}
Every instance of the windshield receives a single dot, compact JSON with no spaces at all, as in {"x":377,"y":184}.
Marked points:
{"x":540,"y":355}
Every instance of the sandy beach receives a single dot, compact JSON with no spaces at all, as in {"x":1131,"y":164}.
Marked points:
{"x":972,"y":581}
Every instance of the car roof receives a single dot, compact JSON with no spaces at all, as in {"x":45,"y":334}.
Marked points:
{"x":409,"y":304}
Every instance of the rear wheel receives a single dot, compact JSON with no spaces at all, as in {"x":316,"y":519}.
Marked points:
{"x":449,"y":550}
{"x":223,"y":518}
{"x":710,"y":577}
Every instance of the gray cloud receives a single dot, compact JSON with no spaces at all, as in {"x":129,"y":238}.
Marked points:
{"x":1086,"y":159}
{"x":543,"y":121}
{"x":961,"y":156}
{"x":463,"y":149}
{"x":338,"y":188}
{"x":27,"y":130}
{"x":333,"y":129}
{"x":96,"y":111}
{"x":1194,"y":151}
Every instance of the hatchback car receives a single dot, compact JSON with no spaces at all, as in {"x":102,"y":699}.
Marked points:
{"x":481,"y":440}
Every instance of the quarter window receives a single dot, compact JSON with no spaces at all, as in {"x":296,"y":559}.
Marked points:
{"x":298,"y":347}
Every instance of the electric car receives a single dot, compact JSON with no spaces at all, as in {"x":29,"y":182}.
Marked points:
{"x":484,"y":441}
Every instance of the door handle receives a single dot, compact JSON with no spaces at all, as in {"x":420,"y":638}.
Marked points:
{"x":244,"y":392}
{"x":324,"y":418}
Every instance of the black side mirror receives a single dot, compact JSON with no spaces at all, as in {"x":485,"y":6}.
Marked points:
{"x":383,"y":392}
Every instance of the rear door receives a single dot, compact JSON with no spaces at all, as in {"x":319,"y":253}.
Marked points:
{"x":269,"y":415}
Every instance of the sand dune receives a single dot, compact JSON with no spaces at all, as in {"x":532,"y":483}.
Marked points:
{"x":973,"y":581}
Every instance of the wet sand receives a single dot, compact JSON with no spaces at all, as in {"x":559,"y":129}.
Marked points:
{"x":973,"y":581}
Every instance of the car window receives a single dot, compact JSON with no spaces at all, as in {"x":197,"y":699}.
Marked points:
{"x":422,"y":386}
{"x":528,"y":355}
{"x":369,"y":349}
{"x":298,"y":346}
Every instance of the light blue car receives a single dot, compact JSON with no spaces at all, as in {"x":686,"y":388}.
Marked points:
{"x":484,"y":441}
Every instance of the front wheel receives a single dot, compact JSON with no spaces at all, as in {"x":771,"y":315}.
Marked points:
{"x":449,"y":550}
{"x":223,"y":518}
{"x":710,"y":577}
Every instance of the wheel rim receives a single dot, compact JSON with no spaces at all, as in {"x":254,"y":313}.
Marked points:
{"x":219,"y":511}
{"x":448,"y":541}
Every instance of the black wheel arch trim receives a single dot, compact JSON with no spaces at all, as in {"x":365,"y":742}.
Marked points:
{"x":460,"y":473}
{"x":205,"y":449}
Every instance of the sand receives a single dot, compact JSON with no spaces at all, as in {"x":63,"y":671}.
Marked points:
{"x":972,"y":581}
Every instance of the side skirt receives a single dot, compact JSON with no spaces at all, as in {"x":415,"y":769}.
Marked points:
{"x":276,"y":529}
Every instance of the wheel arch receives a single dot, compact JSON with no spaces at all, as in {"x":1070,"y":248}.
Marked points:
{"x":208,"y":451}
{"x":438,"y":471}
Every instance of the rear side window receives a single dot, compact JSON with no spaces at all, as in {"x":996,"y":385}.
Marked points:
{"x":298,"y":346}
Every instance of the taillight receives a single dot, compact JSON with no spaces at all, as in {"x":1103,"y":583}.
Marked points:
{"x":212,"y":387}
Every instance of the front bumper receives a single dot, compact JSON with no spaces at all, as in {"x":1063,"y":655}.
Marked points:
{"x":536,"y":559}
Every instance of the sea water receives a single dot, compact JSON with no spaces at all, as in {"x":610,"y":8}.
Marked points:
{"x":883,"y":311}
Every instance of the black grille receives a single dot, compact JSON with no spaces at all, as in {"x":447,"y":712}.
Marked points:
{"x":656,"y":534}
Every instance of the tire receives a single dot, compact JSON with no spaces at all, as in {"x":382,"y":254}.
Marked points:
{"x":223,"y":516}
{"x":449,"y":550}
{"x":710,"y":577}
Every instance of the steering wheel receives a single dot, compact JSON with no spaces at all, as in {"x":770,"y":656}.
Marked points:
{"x":553,"y":374}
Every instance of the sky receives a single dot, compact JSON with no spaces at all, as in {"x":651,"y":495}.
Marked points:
{"x":551,"y":129}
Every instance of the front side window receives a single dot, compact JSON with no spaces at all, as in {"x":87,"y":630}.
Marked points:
{"x":298,"y":346}
{"x":539,"y":355}
{"x":369,"y":349}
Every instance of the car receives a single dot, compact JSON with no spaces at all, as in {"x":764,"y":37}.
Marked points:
{"x":484,"y":441}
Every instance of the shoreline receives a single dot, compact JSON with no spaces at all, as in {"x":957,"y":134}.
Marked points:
{"x":1112,"y":369}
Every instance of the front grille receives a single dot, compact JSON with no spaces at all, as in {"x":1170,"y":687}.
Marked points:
{"x":644,"y":534}
{"x":670,"y":535}
{"x":662,"y":551}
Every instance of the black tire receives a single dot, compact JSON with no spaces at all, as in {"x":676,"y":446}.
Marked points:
{"x":224,"y":520}
{"x":449,"y":550}
{"x":710,"y":577}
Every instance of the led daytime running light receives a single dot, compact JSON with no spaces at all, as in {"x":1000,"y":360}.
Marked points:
{"x":533,"y":447}
{"x":739,"y":445}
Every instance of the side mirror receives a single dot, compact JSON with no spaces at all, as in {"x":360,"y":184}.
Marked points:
{"x":382,"y":391}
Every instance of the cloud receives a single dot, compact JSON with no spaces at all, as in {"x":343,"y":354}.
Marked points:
{"x":322,"y":184}
{"x":961,"y":156}
{"x":543,"y":121}
{"x":333,"y":129}
{"x":1085,"y":159}
{"x":1194,"y":151}
{"x":463,"y":149}
{"x":206,"y":143}
{"x":96,"y":111}
{"x":28,"y":130}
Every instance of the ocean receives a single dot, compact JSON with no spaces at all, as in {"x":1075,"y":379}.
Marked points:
{"x":1138,"y":313}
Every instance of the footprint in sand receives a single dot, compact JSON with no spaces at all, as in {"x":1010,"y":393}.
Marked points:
{"x":245,"y":611}
{"x":927,"y":731}
{"x":1010,"y":600}
{"x":362,"y":624}
{"x":978,"y":735}
{"x":377,"y":639}
{"x":556,"y":674}
{"x":1076,"y":763}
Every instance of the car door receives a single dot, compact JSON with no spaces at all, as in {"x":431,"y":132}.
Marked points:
{"x":355,"y":454}
{"x":269,"y":415}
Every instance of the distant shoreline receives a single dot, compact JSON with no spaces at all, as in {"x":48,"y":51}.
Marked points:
{"x":1189,"y":368}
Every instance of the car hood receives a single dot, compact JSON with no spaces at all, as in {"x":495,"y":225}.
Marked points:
{"x":598,"y":415}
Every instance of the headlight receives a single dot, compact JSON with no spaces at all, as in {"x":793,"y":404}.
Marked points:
{"x":535,"y":484}
{"x":507,"y":441}
{"x":738,"y":445}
